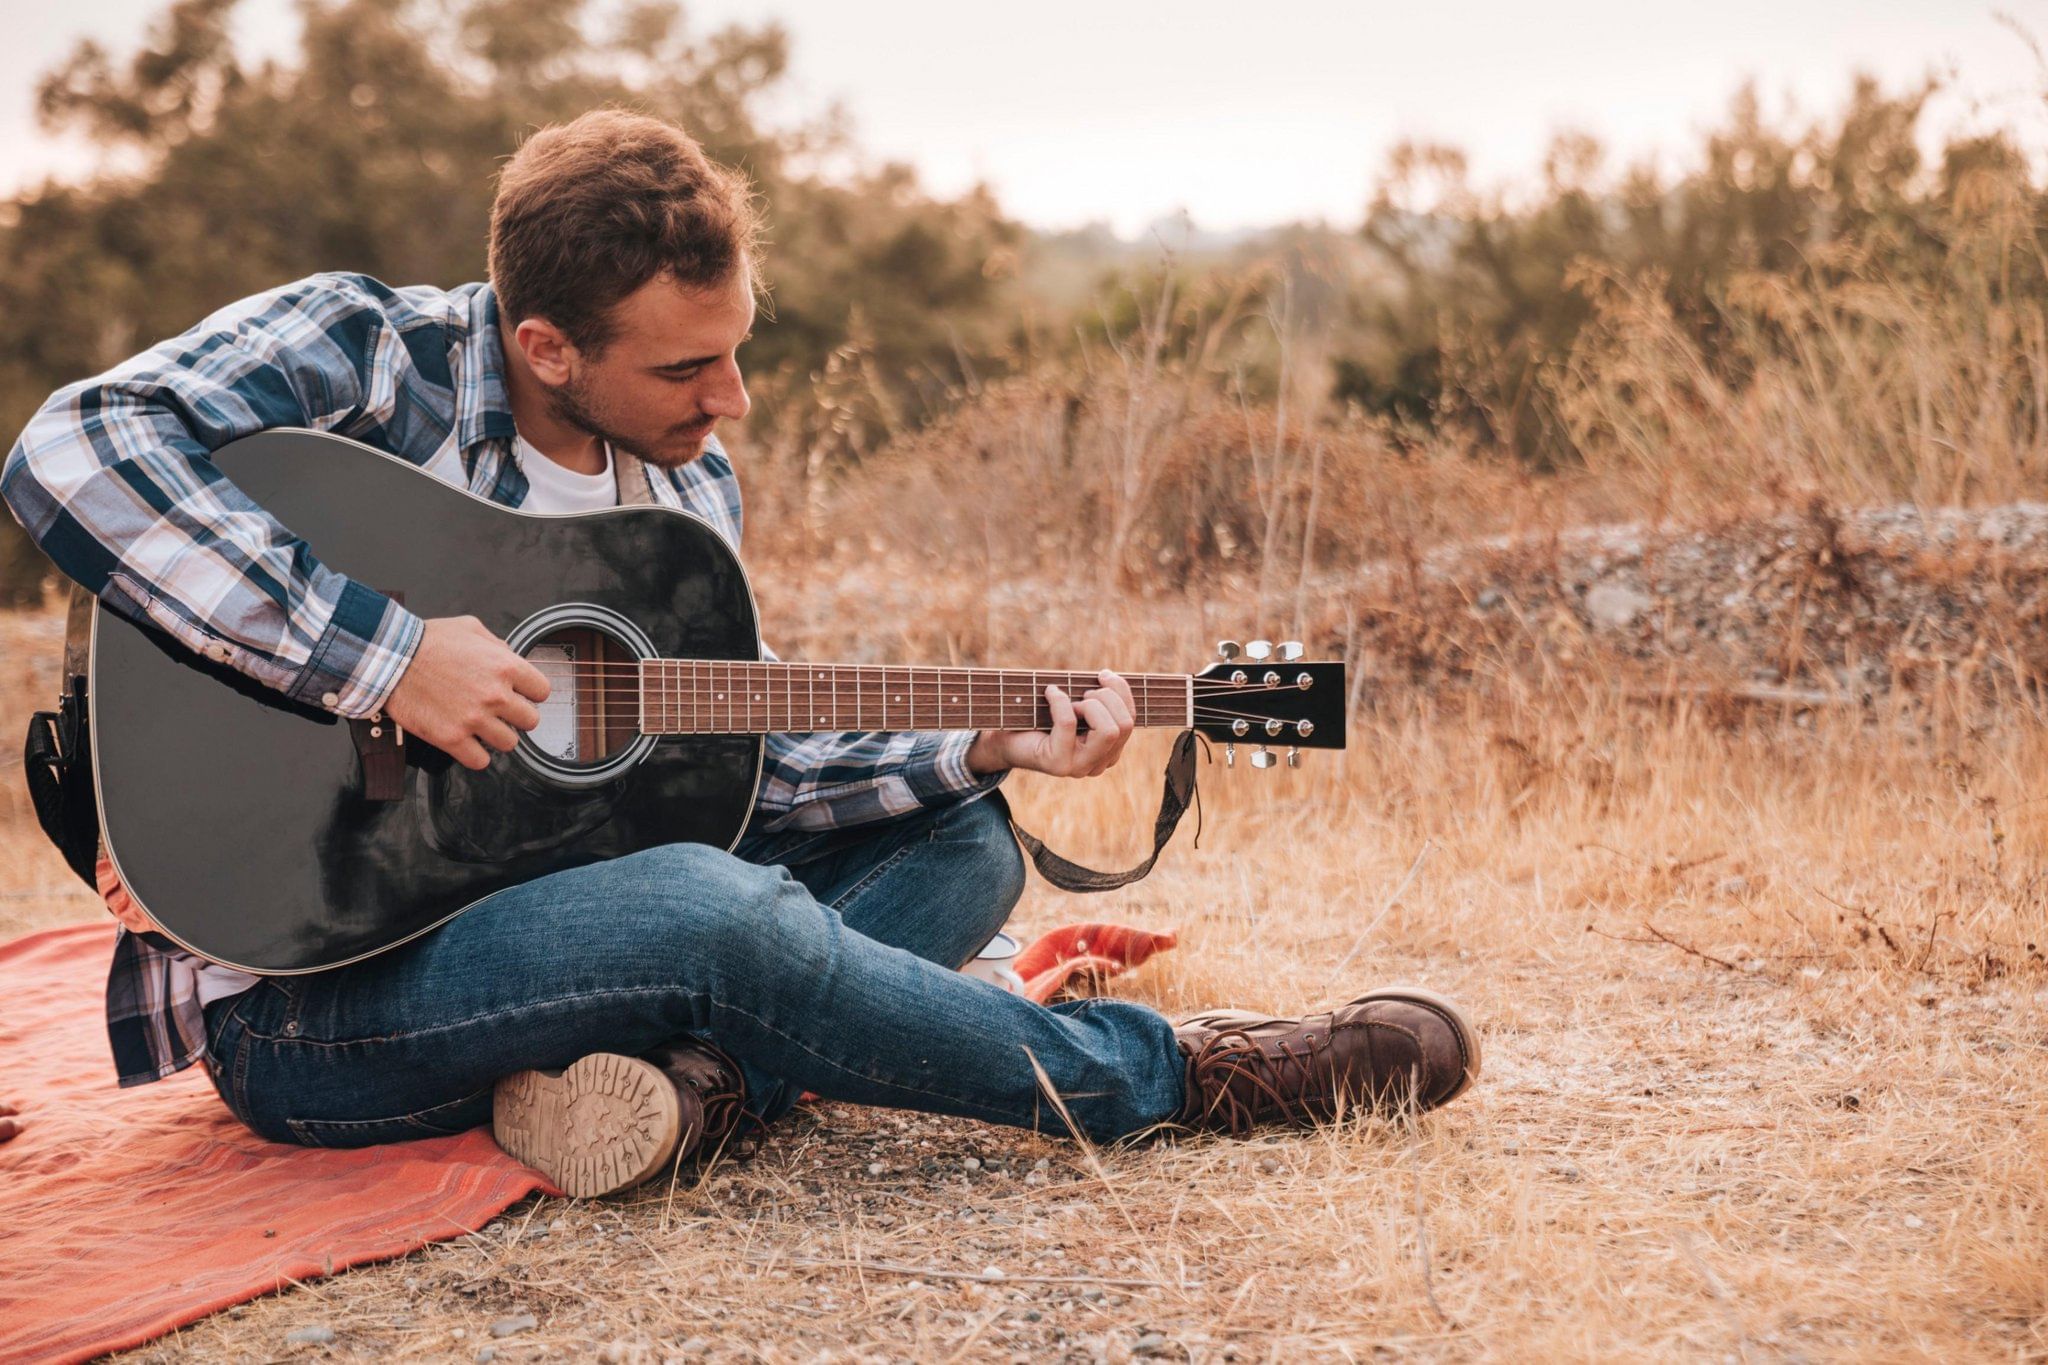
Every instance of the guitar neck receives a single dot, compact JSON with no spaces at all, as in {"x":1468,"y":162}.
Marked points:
{"x":717,"y":696}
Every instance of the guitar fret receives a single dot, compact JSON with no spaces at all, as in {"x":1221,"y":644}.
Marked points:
{"x":738,"y":696}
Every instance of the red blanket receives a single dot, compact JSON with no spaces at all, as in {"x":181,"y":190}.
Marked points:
{"x":125,"y":1213}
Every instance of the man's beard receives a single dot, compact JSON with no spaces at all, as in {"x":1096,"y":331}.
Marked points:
{"x":571,"y":402}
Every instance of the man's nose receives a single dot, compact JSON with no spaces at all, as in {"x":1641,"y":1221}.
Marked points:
{"x":727,"y":394}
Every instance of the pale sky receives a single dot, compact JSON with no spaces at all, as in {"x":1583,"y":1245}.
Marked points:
{"x":1248,"y":114}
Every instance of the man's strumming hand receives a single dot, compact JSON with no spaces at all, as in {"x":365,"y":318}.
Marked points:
{"x":467,"y":692}
{"x":1063,"y":751}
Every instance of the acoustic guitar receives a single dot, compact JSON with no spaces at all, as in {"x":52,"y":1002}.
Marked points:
{"x":275,"y":836}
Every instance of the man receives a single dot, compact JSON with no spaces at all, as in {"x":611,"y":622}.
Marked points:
{"x":611,"y":1019}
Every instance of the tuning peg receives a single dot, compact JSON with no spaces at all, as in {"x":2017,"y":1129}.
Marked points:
{"x":1293,"y":757}
{"x":1230,"y":755}
{"x":1258,"y":649}
{"x":1290,"y":650}
{"x":1262,"y":757}
{"x":1228,"y":649}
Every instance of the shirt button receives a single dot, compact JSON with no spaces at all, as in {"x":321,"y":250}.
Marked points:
{"x":330,"y":700}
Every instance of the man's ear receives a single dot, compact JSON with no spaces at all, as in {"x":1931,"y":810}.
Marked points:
{"x":548,"y":352}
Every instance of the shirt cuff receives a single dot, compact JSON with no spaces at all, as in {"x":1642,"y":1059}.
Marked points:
{"x":369,"y":643}
{"x":939,"y":773}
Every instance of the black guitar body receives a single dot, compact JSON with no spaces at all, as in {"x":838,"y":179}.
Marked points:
{"x":244,"y":822}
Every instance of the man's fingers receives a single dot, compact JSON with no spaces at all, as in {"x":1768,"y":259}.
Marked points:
{"x":1063,"y":723}
{"x":470,"y":754}
{"x":1102,"y":730}
{"x":497,"y":734}
{"x":520,"y":714}
{"x":1121,"y":706}
{"x":1118,"y":684}
{"x":530,"y":682}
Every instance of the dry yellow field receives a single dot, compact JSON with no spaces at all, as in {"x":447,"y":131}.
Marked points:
{"x":1765,"y":1013}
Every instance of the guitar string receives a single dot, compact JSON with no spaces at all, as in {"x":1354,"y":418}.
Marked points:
{"x":632,"y":670}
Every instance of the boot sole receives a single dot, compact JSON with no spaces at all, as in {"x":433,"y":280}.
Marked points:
{"x":603,"y":1124}
{"x":1449,"y":1011}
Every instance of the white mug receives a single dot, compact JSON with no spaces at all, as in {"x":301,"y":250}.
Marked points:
{"x":994,"y":963}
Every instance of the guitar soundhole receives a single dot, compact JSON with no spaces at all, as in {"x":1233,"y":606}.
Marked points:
{"x":593,"y":710}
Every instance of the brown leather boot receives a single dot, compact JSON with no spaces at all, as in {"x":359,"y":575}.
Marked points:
{"x":712,"y":1091}
{"x":602,"y":1124}
{"x":1393,"y":1048}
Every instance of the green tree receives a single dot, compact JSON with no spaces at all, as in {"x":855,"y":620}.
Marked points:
{"x":374,"y":151}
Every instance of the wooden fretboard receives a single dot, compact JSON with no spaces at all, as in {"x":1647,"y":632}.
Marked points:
{"x":705,"y":696}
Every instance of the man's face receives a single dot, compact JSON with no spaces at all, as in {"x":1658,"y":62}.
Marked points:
{"x":668,"y":374}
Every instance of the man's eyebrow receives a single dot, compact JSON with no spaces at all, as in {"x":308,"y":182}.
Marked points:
{"x":694,"y":362}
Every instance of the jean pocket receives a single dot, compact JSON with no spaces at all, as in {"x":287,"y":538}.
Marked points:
{"x":442,"y":1120}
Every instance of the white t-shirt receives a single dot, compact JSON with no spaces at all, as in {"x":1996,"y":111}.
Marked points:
{"x":551,"y":487}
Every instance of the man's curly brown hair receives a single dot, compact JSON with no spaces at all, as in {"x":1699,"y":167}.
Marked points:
{"x":588,"y":211}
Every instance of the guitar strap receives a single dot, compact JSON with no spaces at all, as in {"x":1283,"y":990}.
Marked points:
{"x":1180,"y":791}
{"x":57,"y":755}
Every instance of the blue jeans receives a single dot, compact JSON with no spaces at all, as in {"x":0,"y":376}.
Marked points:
{"x":819,"y":960}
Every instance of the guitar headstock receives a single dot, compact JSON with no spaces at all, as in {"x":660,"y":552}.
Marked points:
{"x":1263,"y":694}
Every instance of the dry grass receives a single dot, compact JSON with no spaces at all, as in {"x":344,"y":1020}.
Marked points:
{"x":1766,"y":1023}
{"x":1764,"y":995}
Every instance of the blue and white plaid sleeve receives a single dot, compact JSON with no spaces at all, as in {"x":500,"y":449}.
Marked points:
{"x":833,"y":780}
{"x":114,"y":479}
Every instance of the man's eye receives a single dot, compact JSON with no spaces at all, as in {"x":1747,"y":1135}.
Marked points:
{"x":683,"y":376}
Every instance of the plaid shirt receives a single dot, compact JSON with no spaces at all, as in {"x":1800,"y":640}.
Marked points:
{"x":113,"y":479}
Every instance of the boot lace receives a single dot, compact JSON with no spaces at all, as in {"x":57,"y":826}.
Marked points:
{"x":1280,"y":1076}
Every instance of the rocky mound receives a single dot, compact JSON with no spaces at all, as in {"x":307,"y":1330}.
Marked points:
{"x":1821,"y":605}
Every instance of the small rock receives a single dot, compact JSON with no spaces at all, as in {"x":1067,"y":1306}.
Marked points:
{"x":991,"y":1272}
{"x":972,"y":1163}
{"x":558,"y":1227}
{"x":1489,"y":599}
{"x":1614,"y":607}
{"x":695,"y":1346}
{"x":518,"y":1322}
{"x":1042,"y":1164}
{"x":486,"y":1354}
{"x":316,"y":1335}
{"x":876,"y":1168}
{"x":1914,"y":1221}
{"x":1570,"y":1174}
{"x":613,"y":1353}
{"x":1151,"y":1343}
